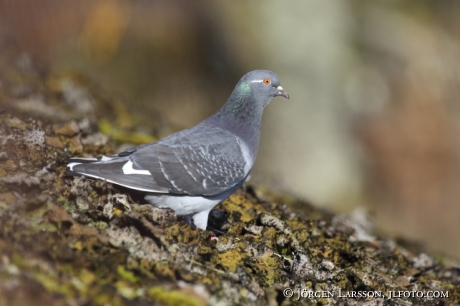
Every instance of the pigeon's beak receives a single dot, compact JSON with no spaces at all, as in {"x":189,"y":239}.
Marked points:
{"x":282,"y":92}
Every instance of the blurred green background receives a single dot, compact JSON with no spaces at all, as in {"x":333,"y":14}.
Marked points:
{"x":373,"y":119}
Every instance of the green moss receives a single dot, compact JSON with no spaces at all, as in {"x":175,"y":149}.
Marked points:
{"x":127,"y":275}
{"x":94,"y":194}
{"x":106,"y":127}
{"x":126,"y":289}
{"x":172,"y":297}
{"x":164,"y":271}
{"x":101,"y":225}
{"x":41,"y":227}
{"x":105,"y":298}
{"x":65,"y":202}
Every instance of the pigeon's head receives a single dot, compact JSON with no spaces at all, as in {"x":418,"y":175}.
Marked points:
{"x":264,"y":85}
{"x":247,"y":101}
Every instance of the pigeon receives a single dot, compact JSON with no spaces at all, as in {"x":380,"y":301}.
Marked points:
{"x":195,"y":169}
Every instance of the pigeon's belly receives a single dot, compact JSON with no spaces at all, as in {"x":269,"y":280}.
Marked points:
{"x":183,"y":205}
{"x":187,"y":205}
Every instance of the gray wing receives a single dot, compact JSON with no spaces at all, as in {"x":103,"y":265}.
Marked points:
{"x":200,"y":161}
{"x":204,"y":160}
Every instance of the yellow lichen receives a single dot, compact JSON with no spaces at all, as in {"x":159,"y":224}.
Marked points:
{"x":230,"y":260}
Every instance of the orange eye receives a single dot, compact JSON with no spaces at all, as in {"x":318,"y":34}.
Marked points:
{"x":267,"y":81}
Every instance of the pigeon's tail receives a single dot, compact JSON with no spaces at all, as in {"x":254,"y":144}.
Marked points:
{"x":117,"y":170}
{"x":78,"y":161}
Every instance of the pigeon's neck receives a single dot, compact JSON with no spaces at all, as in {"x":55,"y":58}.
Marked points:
{"x":242,"y":115}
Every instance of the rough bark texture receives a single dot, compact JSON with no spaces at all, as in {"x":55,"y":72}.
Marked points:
{"x":76,"y":241}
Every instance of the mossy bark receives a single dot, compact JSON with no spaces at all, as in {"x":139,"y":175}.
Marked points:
{"x":76,"y":241}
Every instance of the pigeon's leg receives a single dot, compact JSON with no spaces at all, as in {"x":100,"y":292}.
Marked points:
{"x":200,"y":220}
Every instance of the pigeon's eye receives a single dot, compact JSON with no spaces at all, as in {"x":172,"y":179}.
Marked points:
{"x":267,"y":81}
